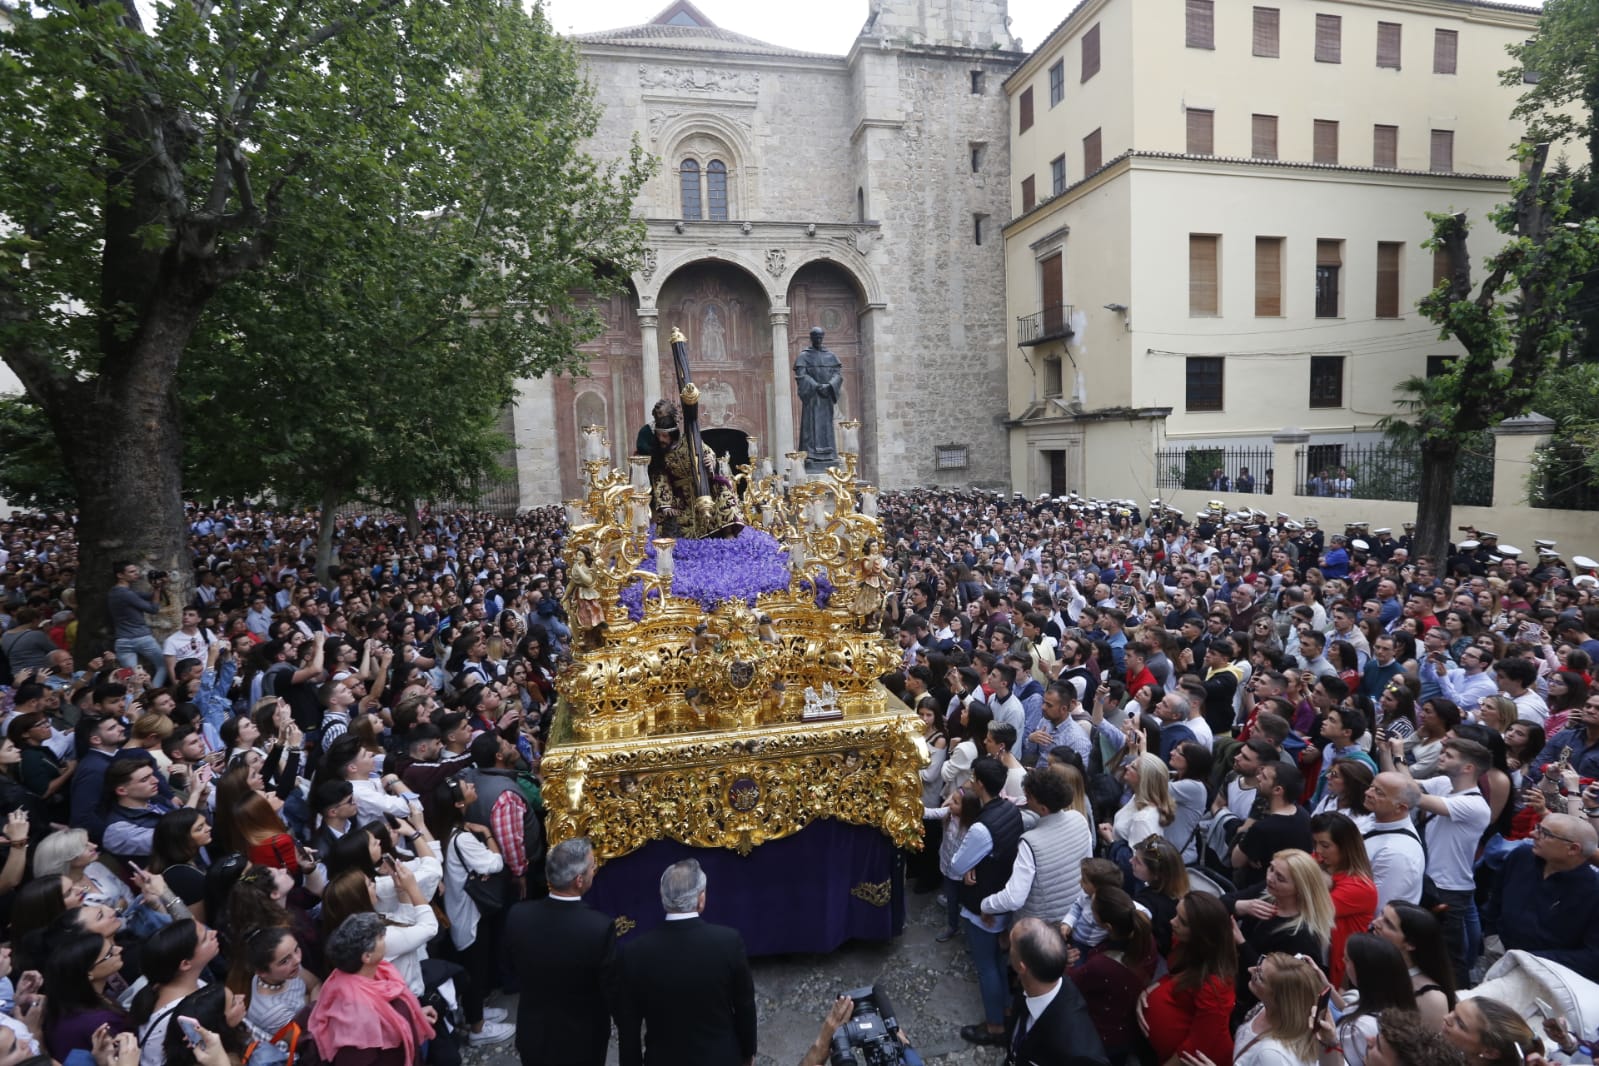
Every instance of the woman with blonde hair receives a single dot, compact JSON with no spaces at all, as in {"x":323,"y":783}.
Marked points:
{"x":1151,"y":808}
{"x":1278,"y":1031}
{"x":1293,"y":915}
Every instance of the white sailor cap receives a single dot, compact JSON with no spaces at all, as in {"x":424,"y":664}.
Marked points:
{"x":1485,"y":535}
{"x":1295,"y":526}
{"x":1360,"y":545}
{"x":1282,"y":516}
{"x":1548,"y":553}
{"x":1585,"y":580}
{"x":1543,"y":544}
{"x":1585,"y":562}
{"x":1508,"y":552}
{"x":1382,"y":531}
{"x":1469,"y":545}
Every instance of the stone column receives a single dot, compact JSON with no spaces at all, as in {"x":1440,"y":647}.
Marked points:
{"x":1285,"y":445}
{"x":1516,"y":440}
{"x":648,"y":318}
{"x":782,"y":431}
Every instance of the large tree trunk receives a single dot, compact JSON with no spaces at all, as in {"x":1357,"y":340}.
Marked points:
{"x":325,"y":570}
{"x":1435,"y":499}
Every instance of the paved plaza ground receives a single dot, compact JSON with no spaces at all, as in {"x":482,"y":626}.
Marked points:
{"x":932,"y":986}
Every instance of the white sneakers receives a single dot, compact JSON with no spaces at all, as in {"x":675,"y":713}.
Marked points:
{"x":493,"y":1032}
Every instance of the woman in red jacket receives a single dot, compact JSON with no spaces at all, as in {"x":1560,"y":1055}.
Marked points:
{"x":1188,"y":1009}
{"x":1342,"y":853}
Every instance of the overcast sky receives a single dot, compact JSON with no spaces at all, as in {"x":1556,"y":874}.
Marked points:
{"x":827,"y":26}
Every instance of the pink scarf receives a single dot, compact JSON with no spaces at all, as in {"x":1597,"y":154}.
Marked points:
{"x":358,"y":1012}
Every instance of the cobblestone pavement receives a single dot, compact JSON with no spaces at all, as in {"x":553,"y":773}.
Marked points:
{"x":931,"y":985}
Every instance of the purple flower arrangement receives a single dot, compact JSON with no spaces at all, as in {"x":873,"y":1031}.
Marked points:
{"x":710,"y":571}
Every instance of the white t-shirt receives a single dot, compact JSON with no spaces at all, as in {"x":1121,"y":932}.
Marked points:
{"x":1240,"y":800}
{"x":1452,"y":840}
{"x":181,"y":645}
{"x":465,"y":848}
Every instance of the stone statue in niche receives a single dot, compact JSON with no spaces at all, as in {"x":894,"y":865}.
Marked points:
{"x":818,"y":376}
{"x":713,"y":336}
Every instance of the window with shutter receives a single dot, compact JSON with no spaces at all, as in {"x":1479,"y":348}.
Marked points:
{"x":1268,"y":277}
{"x":1326,"y":142}
{"x":1329,"y":264}
{"x":1203,"y":294}
{"x":1029,"y":198}
{"x":1388,"y":279}
{"x":1024,"y":107}
{"x":1201,"y":132}
{"x":1267,"y":22}
{"x":1204,"y":387}
{"x":1529,"y":75}
{"x":1201,"y":24}
{"x":1263,"y":140}
{"x":1445,"y":51}
{"x":1091,"y":153}
{"x":1057,"y":175}
{"x":1388,"y":47}
{"x":1385,"y":147}
{"x":1057,"y":82}
{"x":1442,"y":268}
{"x":1091,"y":52}
{"x":1329,"y":39}
{"x":1443,"y":151}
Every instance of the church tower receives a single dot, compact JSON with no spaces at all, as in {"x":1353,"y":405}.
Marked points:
{"x":957,"y":23}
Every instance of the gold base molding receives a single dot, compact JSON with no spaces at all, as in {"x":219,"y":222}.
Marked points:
{"x":739,"y":789}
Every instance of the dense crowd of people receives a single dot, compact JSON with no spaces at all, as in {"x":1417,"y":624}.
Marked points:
{"x":1209,"y":789}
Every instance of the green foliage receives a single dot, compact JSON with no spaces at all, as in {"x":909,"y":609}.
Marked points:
{"x":1564,"y":59}
{"x":31,"y":474}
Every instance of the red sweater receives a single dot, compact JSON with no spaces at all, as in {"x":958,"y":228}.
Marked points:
{"x":1354,"y":901}
{"x":1191,"y":1019}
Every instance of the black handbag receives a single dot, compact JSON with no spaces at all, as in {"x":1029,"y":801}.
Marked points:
{"x":490,"y":893}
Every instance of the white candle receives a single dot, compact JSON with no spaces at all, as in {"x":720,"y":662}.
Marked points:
{"x":593,"y":443}
{"x":663,"y":558}
{"x":641,"y":511}
{"x":575,"y":515}
{"x":849,"y":436}
{"x":869,"y":502}
{"x":639,"y":467}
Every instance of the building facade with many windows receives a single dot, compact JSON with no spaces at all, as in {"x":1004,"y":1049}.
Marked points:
{"x":1217,"y":216}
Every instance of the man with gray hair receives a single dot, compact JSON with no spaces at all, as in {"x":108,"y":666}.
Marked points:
{"x":687,"y":984}
{"x":564,"y":954}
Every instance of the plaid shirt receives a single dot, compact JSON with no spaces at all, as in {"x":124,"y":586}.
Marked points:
{"x":506,"y":820}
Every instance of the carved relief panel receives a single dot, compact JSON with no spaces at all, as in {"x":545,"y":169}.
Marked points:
{"x":726,"y":317}
{"x":612,"y":394}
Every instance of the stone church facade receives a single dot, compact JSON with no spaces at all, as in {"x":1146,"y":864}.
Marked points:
{"x":862,"y":193}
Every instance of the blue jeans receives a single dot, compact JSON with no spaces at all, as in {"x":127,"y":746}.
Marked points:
{"x":990,"y":961}
{"x":1462,"y":933}
{"x":952,"y":904}
{"x":131,"y":651}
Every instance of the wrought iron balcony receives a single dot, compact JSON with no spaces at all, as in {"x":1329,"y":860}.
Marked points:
{"x":1052,"y":323}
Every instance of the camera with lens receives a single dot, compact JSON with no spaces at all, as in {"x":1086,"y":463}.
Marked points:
{"x":157,"y":575}
{"x":871,"y":1029}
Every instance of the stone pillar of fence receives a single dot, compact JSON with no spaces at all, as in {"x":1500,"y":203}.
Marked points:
{"x":1285,"y":444}
{"x":1515,"y":441}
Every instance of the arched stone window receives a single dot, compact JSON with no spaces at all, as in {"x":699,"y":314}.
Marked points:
{"x":716,"y":190}
{"x":689,"y":171}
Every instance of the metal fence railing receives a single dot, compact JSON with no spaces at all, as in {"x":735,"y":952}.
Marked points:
{"x":1388,"y":471}
{"x":1561,"y":479}
{"x":1214,"y":469}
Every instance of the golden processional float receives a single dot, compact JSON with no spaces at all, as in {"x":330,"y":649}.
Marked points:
{"x":725,"y":692}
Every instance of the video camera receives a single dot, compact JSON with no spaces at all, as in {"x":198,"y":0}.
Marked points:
{"x":871,"y":1028}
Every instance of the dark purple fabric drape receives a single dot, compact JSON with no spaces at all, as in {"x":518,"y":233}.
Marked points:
{"x":798,"y":894}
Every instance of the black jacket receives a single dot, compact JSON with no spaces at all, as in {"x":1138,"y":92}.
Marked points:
{"x":1064,"y":1034}
{"x":564,"y":954}
{"x":686,"y":984}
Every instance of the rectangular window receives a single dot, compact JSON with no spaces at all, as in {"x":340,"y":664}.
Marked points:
{"x":950,"y":456}
{"x":1329,"y":39}
{"x":1203,"y":275}
{"x":1091,"y":52}
{"x":1438,"y":365}
{"x":1388,"y":46}
{"x":1091,"y":153}
{"x":1054,"y":379}
{"x":1442,"y":268}
{"x":1326,"y":145}
{"x":689,"y":182}
{"x":1388,"y":279}
{"x":1057,"y":175}
{"x":978,"y":149}
{"x":1263,"y":137}
{"x":977,"y":83}
{"x":1201,"y":132}
{"x":1326,"y":381}
{"x":1057,"y":82}
{"x":1445,"y":51}
{"x":1385,"y":147}
{"x":1025,"y":105}
{"x":1201,"y":24}
{"x":977,"y":228}
{"x":1205,"y":375}
{"x":1529,"y":76}
{"x":1329,"y":262}
{"x":1268,"y":277}
{"x":1443,"y":151}
{"x":1266,"y":41}
{"x":1029,"y":195}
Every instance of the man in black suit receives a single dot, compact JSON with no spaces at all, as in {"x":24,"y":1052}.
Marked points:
{"x":1049,"y":1025}
{"x":687,"y":984}
{"x":564,"y":953}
